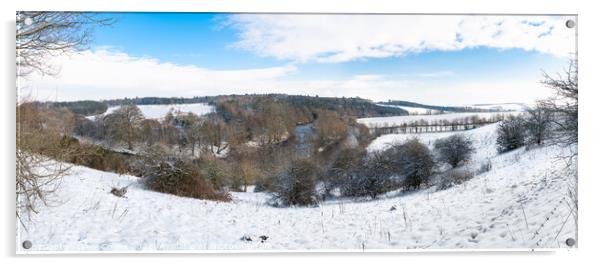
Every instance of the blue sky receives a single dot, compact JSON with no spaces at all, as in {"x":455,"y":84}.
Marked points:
{"x":183,"y":38}
{"x":432,"y":59}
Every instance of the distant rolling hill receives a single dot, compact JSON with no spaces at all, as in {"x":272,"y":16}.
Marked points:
{"x":420,"y":109}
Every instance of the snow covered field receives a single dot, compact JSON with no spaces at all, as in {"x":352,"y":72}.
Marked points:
{"x":502,"y":106}
{"x":157,"y":111}
{"x":521,"y":203}
{"x":413,"y":110}
{"x":374,"y":122}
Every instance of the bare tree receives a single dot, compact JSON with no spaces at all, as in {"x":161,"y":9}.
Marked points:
{"x":417,"y":163}
{"x":42,"y":143}
{"x":372,"y":177}
{"x":296,"y":186}
{"x":454,"y":149}
{"x":190,"y":124}
{"x":39,"y":37}
{"x":407,"y":165}
{"x":213,"y":132}
{"x":42,"y":35}
{"x":564,"y":109}
{"x":510,"y":134}
{"x":330,"y":128}
{"x":150,"y":131}
{"x":538,"y":124}
{"x":124,"y":124}
{"x":564,"y":105}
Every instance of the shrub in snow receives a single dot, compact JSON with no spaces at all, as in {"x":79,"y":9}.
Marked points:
{"x":538,"y":125}
{"x":511,"y":134}
{"x":454,"y":177}
{"x":151,"y":156}
{"x":103,"y":159}
{"x":374,"y":175}
{"x":182,"y":179}
{"x":485,"y":167}
{"x":260,"y":186}
{"x":454,"y":149}
{"x":340,"y":171}
{"x":362,"y":184}
{"x":297,"y":185}
{"x":406,"y":165}
{"x":416,"y":163}
{"x":216,"y":171}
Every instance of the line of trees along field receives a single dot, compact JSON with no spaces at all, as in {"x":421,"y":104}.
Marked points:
{"x":347,"y":106}
{"x":442,"y":125}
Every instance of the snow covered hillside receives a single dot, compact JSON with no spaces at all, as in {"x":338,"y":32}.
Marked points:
{"x":374,"y":122}
{"x":483,"y":139}
{"x":157,"y":111}
{"x":521,"y":202}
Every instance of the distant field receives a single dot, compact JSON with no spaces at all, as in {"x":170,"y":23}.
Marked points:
{"x":157,"y":111}
{"x":375,"y":122}
{"x":413,"y":110}
{"x":502,"y":106}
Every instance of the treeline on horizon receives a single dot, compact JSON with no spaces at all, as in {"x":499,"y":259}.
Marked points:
{"x":356,"y":107}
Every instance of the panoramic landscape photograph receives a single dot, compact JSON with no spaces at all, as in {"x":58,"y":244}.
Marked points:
{"x":221,"y":132}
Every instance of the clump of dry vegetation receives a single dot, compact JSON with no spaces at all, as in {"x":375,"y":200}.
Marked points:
{"x":41,"y":138}
{"x":407,"y":165}
{"x":454,"y":177}
{"x":297,"y":185}
{"x":183,"y":179}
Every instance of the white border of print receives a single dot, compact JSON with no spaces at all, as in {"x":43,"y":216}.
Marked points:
{"x":589,"y":231}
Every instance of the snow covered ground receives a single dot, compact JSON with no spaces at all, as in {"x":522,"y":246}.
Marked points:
{"x":157,"y":111}
{"x":414,"y":110}
{"x":502,"y":106}
{"x":521,"y":202}
{"x":483,"y":139}
{"x":374,"y":122}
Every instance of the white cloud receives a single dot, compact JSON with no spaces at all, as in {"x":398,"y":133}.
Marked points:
{"x":103,"y":74}
{"x":340,"y":38}
{"x":382,"y":88}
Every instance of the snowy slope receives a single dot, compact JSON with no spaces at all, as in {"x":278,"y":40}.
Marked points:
{"x":157,"y":111}
{"x":398,"y":120}
{"x":482,"y":137}
{"x":520,"y":203}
